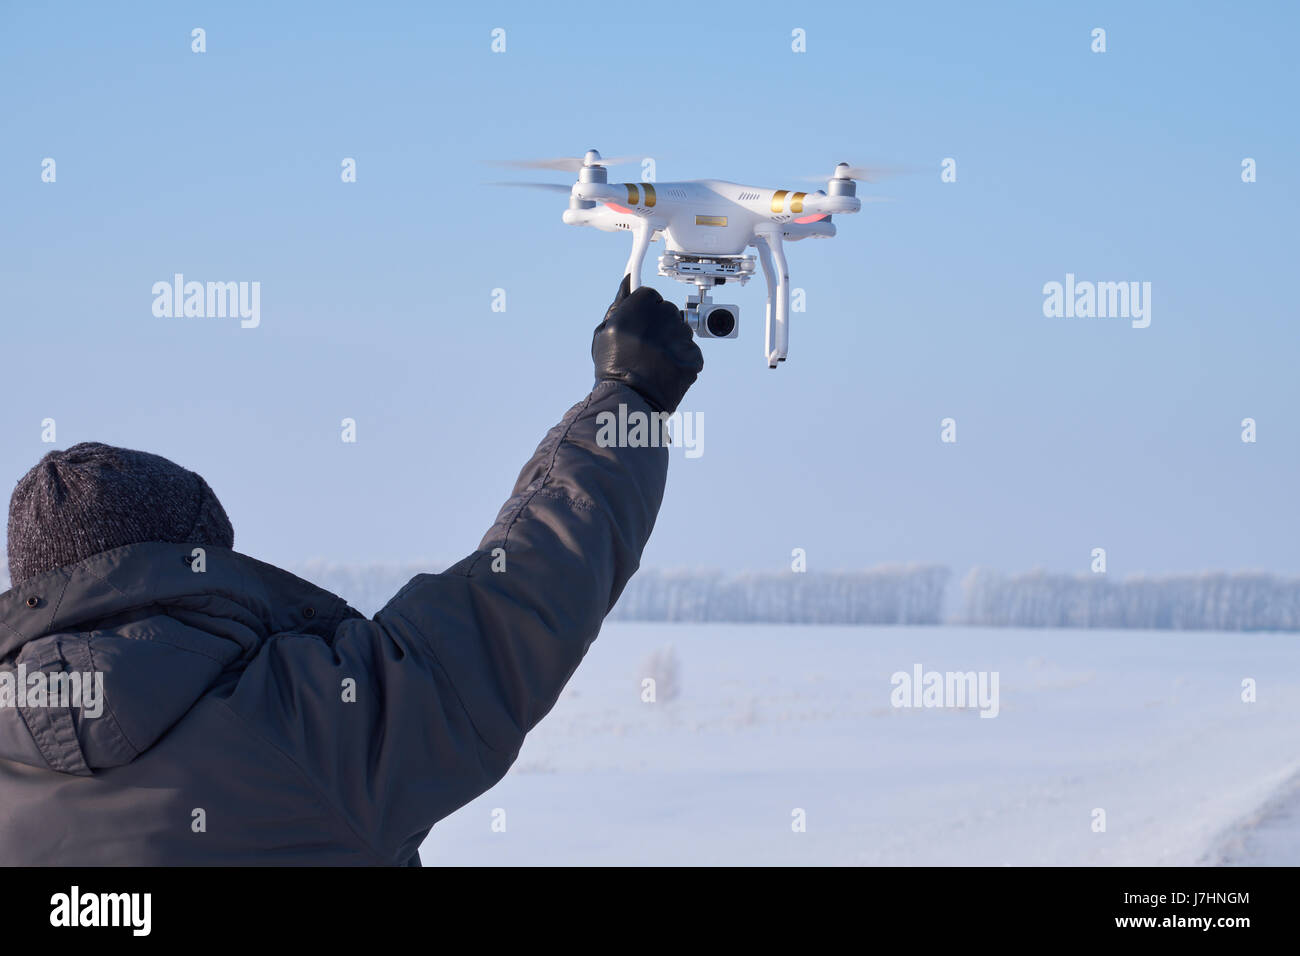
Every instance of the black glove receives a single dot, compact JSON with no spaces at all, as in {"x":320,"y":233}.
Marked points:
{"x":645,"y":343}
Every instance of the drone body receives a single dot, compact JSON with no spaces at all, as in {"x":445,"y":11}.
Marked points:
{"x":705,"y":216}
{"x":707,"y":225}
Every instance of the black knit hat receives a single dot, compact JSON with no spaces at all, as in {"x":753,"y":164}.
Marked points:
{"x":95,"y":497}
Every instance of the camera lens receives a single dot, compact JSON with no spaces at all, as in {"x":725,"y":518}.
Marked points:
{"x":721,"y":323}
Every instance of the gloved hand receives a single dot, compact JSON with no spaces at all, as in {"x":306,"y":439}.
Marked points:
{"x":644,"y":342}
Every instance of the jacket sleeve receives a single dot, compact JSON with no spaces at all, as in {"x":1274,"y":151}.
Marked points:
{"x":459,"y":666}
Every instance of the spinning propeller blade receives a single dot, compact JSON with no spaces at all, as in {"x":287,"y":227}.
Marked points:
{"x":865,"y":174}
{"x":567,"y":164}
{"x":550,"y":187}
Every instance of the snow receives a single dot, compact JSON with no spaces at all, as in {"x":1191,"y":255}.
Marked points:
{"x":1149,"y":726}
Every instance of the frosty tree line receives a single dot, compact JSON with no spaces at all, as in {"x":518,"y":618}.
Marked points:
{"x":1211,"y":600}
{"x":912,"y":594}
{"x":903,"y":594}
{"x":884,"y":595}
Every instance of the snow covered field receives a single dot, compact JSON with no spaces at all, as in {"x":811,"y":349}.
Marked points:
{"x":1148,"y":726}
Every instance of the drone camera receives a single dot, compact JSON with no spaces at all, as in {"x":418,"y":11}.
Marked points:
{"x":710,"y":320}
{"x":720,"y":322}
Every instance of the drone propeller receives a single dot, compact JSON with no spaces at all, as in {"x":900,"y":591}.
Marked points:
{"x":568,"y":164}
{"x":866,"y":174}
{"x":552,"y":187}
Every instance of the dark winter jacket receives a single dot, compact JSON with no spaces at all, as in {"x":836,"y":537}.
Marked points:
{"x":251,"y":717}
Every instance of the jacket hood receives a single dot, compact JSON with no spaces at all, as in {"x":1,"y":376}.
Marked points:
{"x":99,"y":659}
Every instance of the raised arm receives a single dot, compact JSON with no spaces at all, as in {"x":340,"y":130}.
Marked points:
{"x":459,"y":666}
{"x":512,"y":621}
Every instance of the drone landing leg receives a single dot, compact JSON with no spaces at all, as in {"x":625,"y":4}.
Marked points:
{"x":782,"y":300}
{"x":769,"y":273}
{"x":772,"y":253}
{"x":641,"y":234}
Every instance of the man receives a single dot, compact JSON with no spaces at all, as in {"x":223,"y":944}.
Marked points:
{"x":166,"y":700}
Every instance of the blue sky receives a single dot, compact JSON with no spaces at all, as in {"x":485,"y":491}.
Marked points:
{"x":1072,"y":434}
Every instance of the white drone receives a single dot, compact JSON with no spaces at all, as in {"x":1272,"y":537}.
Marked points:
{"x":707,"y":224}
